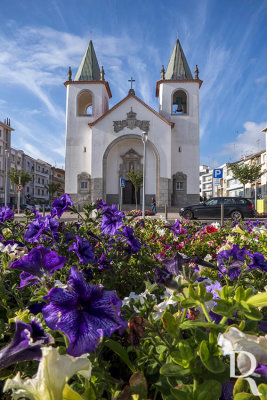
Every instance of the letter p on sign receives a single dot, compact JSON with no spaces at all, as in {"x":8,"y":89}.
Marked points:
{"x":218,"y":173}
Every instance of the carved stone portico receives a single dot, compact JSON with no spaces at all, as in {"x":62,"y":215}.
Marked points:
{"x":131,"y":122}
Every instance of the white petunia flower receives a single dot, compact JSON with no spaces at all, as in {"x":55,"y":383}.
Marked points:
{"x":235,"y":340}
{"x":53,"y":373}
{"x":161,"y":307}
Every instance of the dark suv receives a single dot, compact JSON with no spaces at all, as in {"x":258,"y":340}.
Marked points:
{"x":234,"y":207}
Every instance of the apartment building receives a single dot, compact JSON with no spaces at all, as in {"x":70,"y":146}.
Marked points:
{"x":228,"y":186}
{"x":5,"y":142}
{"x":36,"y":190}
{"x":58,"y":177}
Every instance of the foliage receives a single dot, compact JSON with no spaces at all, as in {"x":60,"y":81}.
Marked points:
{"x":19,"y":176}
{"x":183,"y":289}
{"x":137,"y":180}
{"x":52,"y":188}
{"x":246,"y":173}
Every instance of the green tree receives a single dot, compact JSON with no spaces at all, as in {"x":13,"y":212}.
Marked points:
{"x":19,"y":176}
{"x":52,"y":188}
{"x":246,"y":173}
{"x":137,"y":180}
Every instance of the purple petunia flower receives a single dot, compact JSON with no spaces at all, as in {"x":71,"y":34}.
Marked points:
{"x":25,"y":345}
{"x":176,"y":228}
{"x":37,"y":264}
{"x":102,"y":206}
{"x":261,"y":370}
{"x":133,"y":244}
{"x":212,"y":289}
{"x":230,"y":261}
{"x":83,"y":249}
{"x":84,"y":313}
{"x":111,"y":220}
{"x":164,"y":277}
{"x":258,"y":262}
{"x":227,"y":391}
{"x":5,"y":214}
{"x":39,"y":227}
{"x":61,"y":205}
{"x":103,"y":264}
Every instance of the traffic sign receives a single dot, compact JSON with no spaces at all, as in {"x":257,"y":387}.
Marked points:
{"x":218,"y":173}
{"x":122,"y":183}
{"x":217,"y":182}
{"x":20,"y":187}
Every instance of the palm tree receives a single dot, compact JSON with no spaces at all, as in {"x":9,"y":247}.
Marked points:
{"x":52,"y":188}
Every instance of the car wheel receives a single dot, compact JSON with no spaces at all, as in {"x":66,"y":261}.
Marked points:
{"x":187,"y":214}
{"x":236,"y":215}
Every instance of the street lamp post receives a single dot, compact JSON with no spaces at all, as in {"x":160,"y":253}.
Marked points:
{"x":6,"y":185}
{"x":144,"y":140}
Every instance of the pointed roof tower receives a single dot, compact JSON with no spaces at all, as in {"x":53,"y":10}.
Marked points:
{"x":178,"y":67}
{"x":89,"y":69}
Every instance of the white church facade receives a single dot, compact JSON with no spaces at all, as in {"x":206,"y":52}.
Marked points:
{"x":104,"y":144}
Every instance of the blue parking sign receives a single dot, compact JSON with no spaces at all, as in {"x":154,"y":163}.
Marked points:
{"x":122,"y":183}
{"x":218,"y":173}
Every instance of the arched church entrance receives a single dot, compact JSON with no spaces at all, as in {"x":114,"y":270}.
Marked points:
{"x":131,"y":162}
{"x":122,"y":156}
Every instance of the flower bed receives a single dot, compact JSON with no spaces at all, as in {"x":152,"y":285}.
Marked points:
{"x":115,"y":307}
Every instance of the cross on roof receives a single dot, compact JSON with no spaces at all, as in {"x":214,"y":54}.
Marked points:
{"x":131,"y":80}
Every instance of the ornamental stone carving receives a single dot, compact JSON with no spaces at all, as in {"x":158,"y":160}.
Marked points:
{"x":131,"y":122}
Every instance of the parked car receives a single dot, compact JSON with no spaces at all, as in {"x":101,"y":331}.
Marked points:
{"x":234,"y":207}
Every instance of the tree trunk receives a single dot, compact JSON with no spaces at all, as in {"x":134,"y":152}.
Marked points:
{"x":244,"y":190}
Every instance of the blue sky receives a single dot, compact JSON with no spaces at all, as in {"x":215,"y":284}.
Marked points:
{"x":226,"y":38}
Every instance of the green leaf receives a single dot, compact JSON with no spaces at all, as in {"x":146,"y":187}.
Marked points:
{"x":121,"y":352}
{"x":196,"y":324}
{"x":245,"y":396}
{"x":239,"y":294}
{"x":178,"y":394}
{"x":251,"y":312}
{"x":209,"y":390}
{"x":172,"y":369}
{"x":204,"y":351}
{"x":241,"y":385}
{"x":213,"y":364}
{"x":262,"y":388}
{"x":169,"y":323}
{"x":259,"y":300}
{"x":69,"y":394}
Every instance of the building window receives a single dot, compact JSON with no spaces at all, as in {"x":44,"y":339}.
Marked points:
{"x":38,"y":191}
{"x":42,"y":181}
{"x":179,"y":102}
{"x":42,"y":192}
{"x":85,"y":103}
{"x":28,"y":189}
{"x":179,"y":185}
{"x":84,"y":185}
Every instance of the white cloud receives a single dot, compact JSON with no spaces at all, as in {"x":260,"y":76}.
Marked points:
{"x":248,"y":142}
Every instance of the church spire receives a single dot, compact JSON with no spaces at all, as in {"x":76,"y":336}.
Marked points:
{"x":89,"y":69}
{"x":178,"y":67}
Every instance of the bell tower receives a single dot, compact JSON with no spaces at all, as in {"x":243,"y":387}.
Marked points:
{"x":178,"y":94}
{"x":87,"y":99}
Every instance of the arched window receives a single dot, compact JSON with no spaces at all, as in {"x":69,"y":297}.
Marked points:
{"x":179,"y":102}
{"x":85,"y":103}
